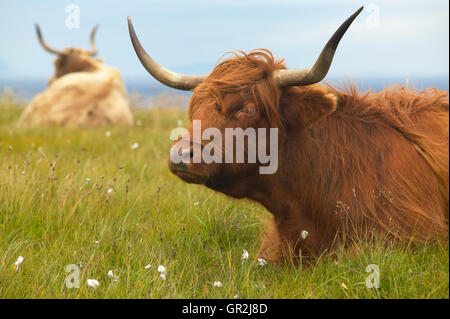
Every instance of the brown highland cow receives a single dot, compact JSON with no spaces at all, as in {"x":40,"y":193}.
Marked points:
{"x":353,"y":165}
{"x":83,"y":92}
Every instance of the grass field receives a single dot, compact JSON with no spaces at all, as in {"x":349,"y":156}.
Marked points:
{"x":80,"y":196}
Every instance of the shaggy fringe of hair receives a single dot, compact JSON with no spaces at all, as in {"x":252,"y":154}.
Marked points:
{"x":252,"y":69}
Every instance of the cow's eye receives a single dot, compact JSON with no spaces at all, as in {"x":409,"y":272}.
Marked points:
{"x":247,"y":111}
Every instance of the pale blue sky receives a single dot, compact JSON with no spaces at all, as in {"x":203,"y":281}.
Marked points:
{"x":190,"y":36}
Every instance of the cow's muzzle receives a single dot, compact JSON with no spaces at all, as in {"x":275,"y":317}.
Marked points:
{"x":182,"y":155}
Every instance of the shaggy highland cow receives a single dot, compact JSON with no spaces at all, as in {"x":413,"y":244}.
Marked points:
{"x":83,"y":92}
{"x":355,"y":165}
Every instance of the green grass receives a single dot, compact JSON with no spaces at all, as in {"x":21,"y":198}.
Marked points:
{"x":53,"y":216}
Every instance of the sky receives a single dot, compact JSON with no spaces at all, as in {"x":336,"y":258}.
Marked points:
{"x":401,"y":38}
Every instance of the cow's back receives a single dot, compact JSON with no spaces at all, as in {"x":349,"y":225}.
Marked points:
{"x":386,"y":165}
{"x":423,"y":118}
{"x":81,"y":99}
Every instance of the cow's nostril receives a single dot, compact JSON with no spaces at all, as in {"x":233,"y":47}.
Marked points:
{"x":195,"y":147}
{"x":186,"y":150}
{"x":187,"y":154}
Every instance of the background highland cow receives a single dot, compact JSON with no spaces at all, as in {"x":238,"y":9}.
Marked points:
{"x":83,"y":92}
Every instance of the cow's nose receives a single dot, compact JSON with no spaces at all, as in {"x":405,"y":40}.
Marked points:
{"x":187,"y":154}
{"x":182,"y":153}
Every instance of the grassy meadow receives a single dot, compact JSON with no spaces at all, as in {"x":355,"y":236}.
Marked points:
{"x":83,"y":197}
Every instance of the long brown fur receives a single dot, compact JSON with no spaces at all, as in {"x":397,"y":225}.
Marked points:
{"x":359,"y":165}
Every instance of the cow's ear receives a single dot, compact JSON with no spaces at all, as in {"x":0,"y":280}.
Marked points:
{"x":303,"y":106}
{"x":319,"y":107}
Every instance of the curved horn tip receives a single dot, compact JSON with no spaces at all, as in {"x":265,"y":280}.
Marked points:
{"x":94,"y":29}
{"x":163,"y":75}
{"x":130,"y":24}
{"x":42,"y":42}
{"x":357,"y":12}
{"x":320,"y":69}
{"x":93,"y":50}
{"x":38,"y":29}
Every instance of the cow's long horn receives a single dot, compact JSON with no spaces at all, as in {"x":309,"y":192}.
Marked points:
{"x":322,"y":65}
{"x":92,"y":38}
{"x":44,"y":45}
{"x":163,"y":75}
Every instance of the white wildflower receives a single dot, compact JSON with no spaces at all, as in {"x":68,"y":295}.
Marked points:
{"x":236,"y":296}
{"x":134,"y":146}
{"x":304,"y":234}
{"x":110,"y":191}
{"x":244,"y":256}
{"x":147,"y":266}
{"x":97,"y":242}
{"x":196,"y":203}
{"x":112,"y":276}
{"x":107,"y":133}
{"x":17,"y":264}
{"x":88,"y":180}
{"x":217,"y":284}
{"x":179,"y":122}
{"x":261,"y":262}
{"x":23,"y":172}
{"x":163,"y":276}
{"x":162,"y":269}
{"x":93,"y":283}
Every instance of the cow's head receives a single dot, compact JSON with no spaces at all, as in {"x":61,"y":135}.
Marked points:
{"x":72,"y":59}
{"x":244,"y":91}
